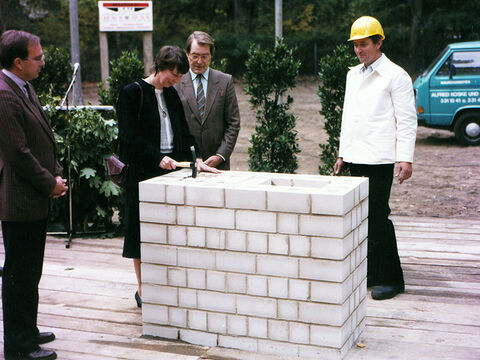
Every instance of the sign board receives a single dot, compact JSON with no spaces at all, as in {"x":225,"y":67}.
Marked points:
{"x":125,"y":15}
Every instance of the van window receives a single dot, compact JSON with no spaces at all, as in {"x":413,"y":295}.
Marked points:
{"x":461,"y":63}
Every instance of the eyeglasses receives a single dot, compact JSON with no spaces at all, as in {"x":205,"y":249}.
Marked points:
{"x":39,"y":58}
{"x":195,"y":57}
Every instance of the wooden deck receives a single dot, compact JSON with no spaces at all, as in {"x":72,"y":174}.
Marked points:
{"x":86,"y":296}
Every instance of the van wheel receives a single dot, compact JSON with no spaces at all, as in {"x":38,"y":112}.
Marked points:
{"x":467,"y":128}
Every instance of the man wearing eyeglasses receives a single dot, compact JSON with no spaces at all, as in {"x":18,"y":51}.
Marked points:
{"x":30,"y":176}
{"x":210,"y":104}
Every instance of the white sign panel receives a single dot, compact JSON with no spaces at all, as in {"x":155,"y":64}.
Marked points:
{"x":125,"y":15}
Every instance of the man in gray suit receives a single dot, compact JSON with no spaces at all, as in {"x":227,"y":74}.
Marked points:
{"x":29,"y":176}
{"x":210,"y":104}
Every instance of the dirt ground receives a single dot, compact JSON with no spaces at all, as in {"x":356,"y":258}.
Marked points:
{"x":446,"y":175}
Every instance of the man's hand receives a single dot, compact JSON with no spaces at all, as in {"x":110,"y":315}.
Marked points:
{"x":202,"y":166}
{"x":403,"y":171}
{"x":167,"y":163}
{"x":338,"y":166}
{"x":213,"y":161}
{"x":60,"y":188}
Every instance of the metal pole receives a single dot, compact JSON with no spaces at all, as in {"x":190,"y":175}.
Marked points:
{"x":75,"y":51}
{"x":278,"y":20}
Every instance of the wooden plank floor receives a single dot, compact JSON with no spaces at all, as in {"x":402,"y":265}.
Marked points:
{"x":86,"y":296}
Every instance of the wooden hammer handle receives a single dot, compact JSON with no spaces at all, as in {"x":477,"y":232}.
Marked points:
{"x":183,"y":164}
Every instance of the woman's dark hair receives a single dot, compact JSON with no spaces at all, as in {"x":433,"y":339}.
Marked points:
{"x":14,"y":44}
{"x":171,"y":57}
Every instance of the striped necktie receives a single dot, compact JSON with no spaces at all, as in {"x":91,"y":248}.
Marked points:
{"x":201,"y":101}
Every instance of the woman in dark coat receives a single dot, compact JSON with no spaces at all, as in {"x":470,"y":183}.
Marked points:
{"x":153,"y":135}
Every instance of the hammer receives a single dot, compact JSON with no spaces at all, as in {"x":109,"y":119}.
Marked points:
{"x":192,"y":165}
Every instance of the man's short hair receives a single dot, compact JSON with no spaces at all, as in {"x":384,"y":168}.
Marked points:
{"x":171,"y":57}
{"x":376,"y":38}
{"x":14,"y":44}
{"x":202,"y":38}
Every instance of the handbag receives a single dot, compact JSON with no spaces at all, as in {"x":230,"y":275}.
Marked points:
{"x":116,"y":169}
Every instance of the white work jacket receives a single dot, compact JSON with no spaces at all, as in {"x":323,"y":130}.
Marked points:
{"x":379,"y":122}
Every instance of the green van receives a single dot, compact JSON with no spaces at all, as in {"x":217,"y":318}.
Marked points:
{"x":447,"y":94}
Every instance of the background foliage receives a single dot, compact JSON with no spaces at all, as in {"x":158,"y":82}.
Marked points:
{"x":416,"y":30}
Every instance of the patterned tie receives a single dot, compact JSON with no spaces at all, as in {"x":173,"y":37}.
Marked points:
{"x":200,"y":96}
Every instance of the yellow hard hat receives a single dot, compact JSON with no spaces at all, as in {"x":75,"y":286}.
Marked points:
{"x":364,"y":27}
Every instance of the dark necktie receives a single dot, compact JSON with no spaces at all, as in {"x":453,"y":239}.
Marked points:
{"x":27,"y":90}
{"x":200,"y":96}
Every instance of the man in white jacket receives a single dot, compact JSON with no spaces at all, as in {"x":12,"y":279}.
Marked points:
{"x":379,"y":126}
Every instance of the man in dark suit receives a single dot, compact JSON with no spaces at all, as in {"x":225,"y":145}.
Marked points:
{"x":29,"y":176}
{"x":210,"y":104}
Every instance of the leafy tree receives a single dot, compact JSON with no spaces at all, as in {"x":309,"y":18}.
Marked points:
{"x":333,"y":72}
{"x":123,"y":71}
{"x":269,"y":74}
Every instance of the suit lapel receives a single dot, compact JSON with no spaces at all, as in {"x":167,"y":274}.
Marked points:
{"x":212,"y":89}
{"x":190,"y":96}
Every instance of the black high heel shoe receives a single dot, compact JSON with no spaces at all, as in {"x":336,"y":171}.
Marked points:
{"x":138,"y":299}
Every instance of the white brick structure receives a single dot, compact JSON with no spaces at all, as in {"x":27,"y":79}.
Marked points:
{"x":269,"y":263}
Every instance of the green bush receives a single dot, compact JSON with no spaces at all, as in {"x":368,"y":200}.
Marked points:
{"x":333,"y":71}
{"x":269,"y":74}
{"x":95,"y":197}
{"x":123,"y":71}
{"x":55,"y":75}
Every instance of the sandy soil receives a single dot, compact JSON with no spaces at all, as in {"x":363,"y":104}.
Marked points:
{"x":446,"y":175}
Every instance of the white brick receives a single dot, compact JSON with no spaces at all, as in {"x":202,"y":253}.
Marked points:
{"x":177,"y":317}
{"x":151,"y":192}
{"x":196,"y":237}
{"x":287,"y":223}
{"x":299,"y":289}
{"x":157,"y":314}
{"x":217,"y":323}
{"x":277,"y":266}
{"x":291,"y":200}
{"x":159,"y":294}
{"x":364,"y":188}
{"x":160,"y":331}
{"x":318,"y":352}
{"x":331,"y":292}
{"x":363,"y":289}
{"x":333,"y":200}
{"x":197,"y":320}
{"x":255,"y":221}
{"x":236,"y":325}
{"x":157,"y":213}
{"x":216,"y":280}
{"x":363,"y":250}
{"x":185,"y":215}
{"x":257,"y":242}
{"x":278,"y":330}
{"x":235,"y":342}
{"x":216,"y":218}
{"x":236,"y":241}
{"x":216,"y":239}
{"x":250,"y":199}
{"x":309,"y":181}
{"x":299,"y":333}
{"x":287,"y":310}
{"x":283,"y":349}
{"x":327,"y":226}
{"x":175,"y":194}
{"x":277,"y":287}
{"x":235,"y":262}
{"x":215,"y":301}
{"x":153,"y":233}
{"x":196,"y":279}
{"x":198,"y":337}
{"x":329,"y":335}
{"x":159,"y":254}
{"x":332,"y":248}
{"x":202,"y":195}
{"x":327,"y":270}
{"x":278,"y":244}
{"x":196,"y":258}
{"x":364,"y":206}
{"x":328,"y":314}
{"x":187,"y":298}
{"x":299,"y":245}
{"x":236,"y":283}
{"x":257,"y":285}
{"x":355,"y":237}
{"x":154,"y":274}
{"x":177,"y":235}
{"x":363,"y":230}
{"x":261,"y":307}
{"x":257,"y":327}
{"x":177,"y":277}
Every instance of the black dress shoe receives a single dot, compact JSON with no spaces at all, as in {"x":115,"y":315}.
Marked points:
{"x":138,"y":299}
{"x":45,"y":337}
{"x":39,"y":354}
{"x":383,"y":292}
